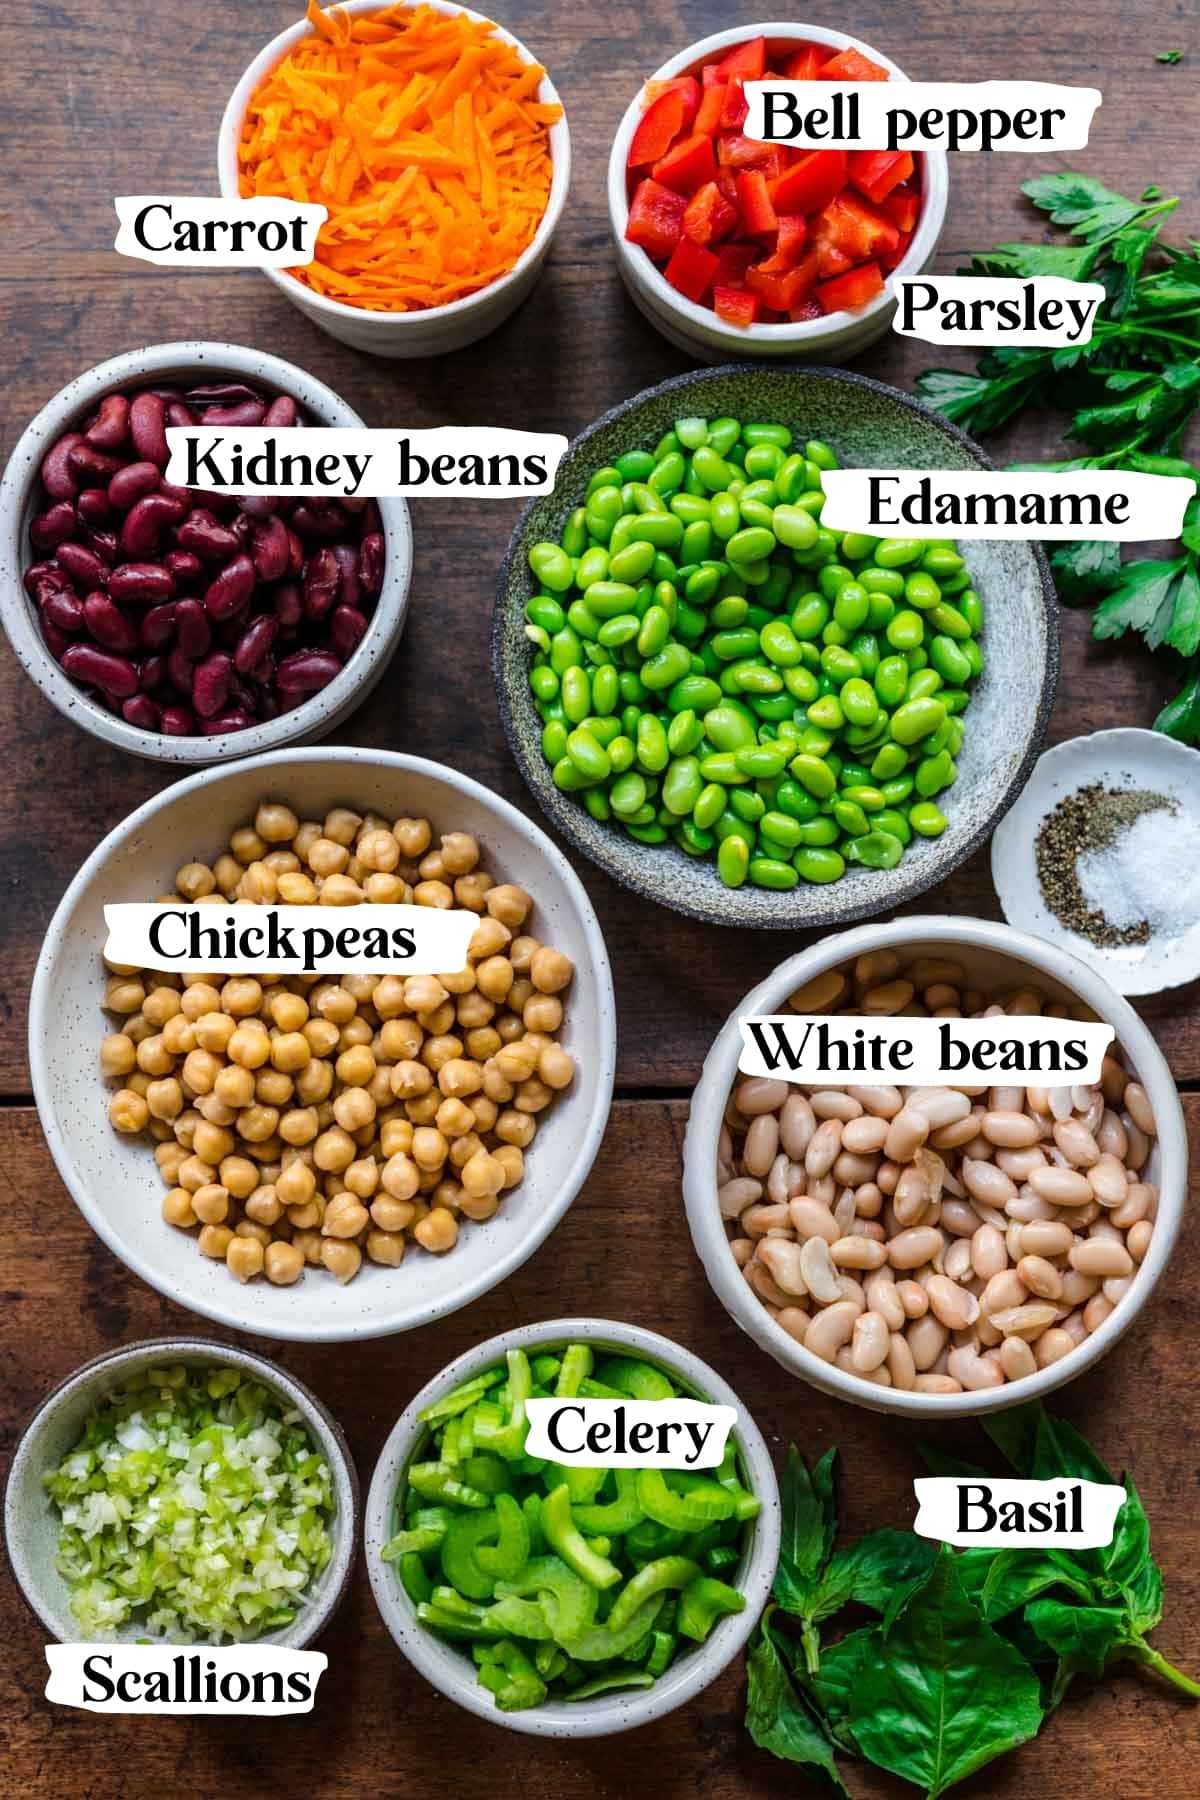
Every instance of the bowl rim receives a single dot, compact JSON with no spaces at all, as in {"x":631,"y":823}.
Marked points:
{"x":804,"y":335}
{"x":559,"y":137}
{"x":707,"y":1110}
{"x":559,"y":808}
{"x":72,"y":401}
{"x":621,"y":1710}
{"x":232,"y":1314}
{"x":144,"y":1352}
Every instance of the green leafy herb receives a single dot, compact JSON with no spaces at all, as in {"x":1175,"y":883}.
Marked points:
{"x":777,"y":1717}
{"x":1169,"y":56}
{"x":1132,"y":392}
{"x":809,"y":1530}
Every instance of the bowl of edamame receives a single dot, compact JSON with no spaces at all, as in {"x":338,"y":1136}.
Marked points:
{"x":738,"y":713}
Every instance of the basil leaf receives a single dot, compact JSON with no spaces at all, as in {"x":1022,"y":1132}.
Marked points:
{"x":1180,"y":717}
{"x":777,"y":1718}
{"x":1083,"y":1636}
{"x":809,"y":1529}
{"x":834,"y":1682}
{"x":1018,"y":1576}
{"x":947,"y":1692}
{"x":873,"y":1571}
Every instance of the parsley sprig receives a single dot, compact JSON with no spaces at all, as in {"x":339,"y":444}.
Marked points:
{"x":1132,"y":392}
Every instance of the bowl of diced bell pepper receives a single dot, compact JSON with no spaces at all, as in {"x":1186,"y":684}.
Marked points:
{"x":732,"y":246}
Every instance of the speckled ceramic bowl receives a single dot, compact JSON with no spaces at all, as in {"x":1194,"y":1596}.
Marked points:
{"x":869,"y":425}
{"x":114,"y":1180}
{"x":31,"y":1521}
{"x":190,"y":362}
{"x":452,"y":1672}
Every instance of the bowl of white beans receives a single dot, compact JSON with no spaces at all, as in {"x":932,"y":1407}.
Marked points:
{"x":937,"y":1251}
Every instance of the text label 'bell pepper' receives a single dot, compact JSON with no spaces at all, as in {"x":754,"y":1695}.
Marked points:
{"x":765,"y":233}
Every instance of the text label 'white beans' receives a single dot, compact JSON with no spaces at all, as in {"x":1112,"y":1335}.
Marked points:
{"x":920,"y":115}
{"x":454,"y":460}
{"x":1118,"y":505}
{"x":996,"y":309}
{"x":1054,"y":1515}
{"x":263,"y":1679}
{"x":924,"y":1052}
{"x":289,"y":940}
{"x":260,"y":233}
{"x":629,"y":1434}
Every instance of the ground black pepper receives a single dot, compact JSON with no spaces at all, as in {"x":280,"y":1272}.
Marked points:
{"x":1090,"y":819}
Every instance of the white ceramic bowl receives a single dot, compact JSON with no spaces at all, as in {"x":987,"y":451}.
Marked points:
{"x":452,"y":1672}
{"x":436,"y":329}
{"x":114,"y":1179}
{"x":697,"y":329}
{"x":31,"y":1526}
{"x":992,"y":954}
{"x":1116,"y":759}
{"x":193,"y":361}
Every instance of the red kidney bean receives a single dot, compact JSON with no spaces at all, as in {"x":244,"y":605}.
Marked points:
{"x":184,"y":566}
{"x":152,"y":672}
{"x":255,"y":644}
{"x":114,"y":675}
{"x":144,"y":524}
{"x":258,"y":506}
{"x":282,"y":411}
{"x":82,"y":566}
{"x":320,"y":519}
{"x":370,"y":564}
{"x":295,"y":554}
{"x":58,"y":478}
{"x":131,"y":482}
{"x":372,"y":517}
{"x":306,"y":671}
{"x":177,"y":721}
{"x":322,"y":578}
{"x":206,"y":537}
{"x":147,"y":425}
{"x":289,"y":607}
{"x":94,"y":506}
{"x":233,"y":720}
{"x":56,"y":641}
{"x":141,"y":711}
{"x":231,"y":589}
{"x":157,"y":628}
{"x":110,"y":427}
{"x":109,"y":625}
{"x":184,"y":498}
{"x":346,"y":557}
{"x":270,"y":549}
{"x":92,"y":467}
{"x":140,"y":583}
{"x":62,"y":609}
{"x":244,"y":412}
{"x":347,"y":628}
{"x":104,"y":543}
{"x":220,"y":393}
{"x":54,"y":526}
{"x":36,"y":574}
{"x":179,"y":670}
{"x":193,"y":630}
{"x":178,"y":414}
{"x":210,"y":684}
{"x":354,"y":504}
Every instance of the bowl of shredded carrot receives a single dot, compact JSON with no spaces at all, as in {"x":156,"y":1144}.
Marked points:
{"x":440,"y":150}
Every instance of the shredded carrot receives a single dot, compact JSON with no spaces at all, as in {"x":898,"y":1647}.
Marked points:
{"x":423,"y":135}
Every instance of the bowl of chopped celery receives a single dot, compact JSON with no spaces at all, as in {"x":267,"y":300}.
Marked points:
{"x":567,"y":1601}
{"x":182,"y":1491}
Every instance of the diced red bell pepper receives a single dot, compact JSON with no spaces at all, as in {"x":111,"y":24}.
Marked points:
{"x":903,"y":208}
{"x":851,"y":65}
{"x":691,"y":269}
{"x":710,"y":75}
{"x":857,"y":229}
{"x":737,"y":152}
{"x":657,"y":129}
{"x":712,"y":105}
{"x":831,"y":258}
{"x":804,"y":64}
{"x":655,"y":218}
{"x":807,"y":309}
{"x":727,"y":182}
{"x":810,"y":183}
{"x":732,"y":262}
{"x":759,"y":218}
{"x":891,"y":259}
{"x":747,"y":61}
{"x":780,"y":289}
{"x":793,"y":236}
{"x":686,"y":85}
{"x":735,"y":306}
{"x":687,"y":165}
{"x":709,"y":215}
{"x":876,"y":172}
{"x":846,"y":293}
{"x":735,"y":107}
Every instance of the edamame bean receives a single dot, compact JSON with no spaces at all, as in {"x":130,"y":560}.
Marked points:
{"x":927,"y":819}
{"x":819,"y":866}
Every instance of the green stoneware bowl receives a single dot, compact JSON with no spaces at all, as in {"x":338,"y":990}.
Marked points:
{"x":868,"y":425}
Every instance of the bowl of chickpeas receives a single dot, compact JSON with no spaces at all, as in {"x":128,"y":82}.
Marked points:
{"x":327,"y":1156}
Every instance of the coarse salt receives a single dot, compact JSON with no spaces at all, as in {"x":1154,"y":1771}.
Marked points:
{"x":1151,"y":872}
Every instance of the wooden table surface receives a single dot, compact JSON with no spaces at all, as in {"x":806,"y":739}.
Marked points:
{"x":127,"y":96}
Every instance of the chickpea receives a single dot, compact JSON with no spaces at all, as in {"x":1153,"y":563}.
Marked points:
{"x":385,"y":1247}
{"x":342,"y":825}
{"x":342,"y":1259}
{"x":244,"y":1257}
{"x":300,"y":1125}
{"x":460,"y":852}
{"x":410,"y":1079}
{"x":263,"y":1206}
{"x":339,"y":890}
{"x":309,"y":1243}
{"x":356,"y":1065}
{"x":345,"y":1217}
{"x":281,"y":862}
{"x":437,"y":1231}
{"x":288,"y":1011}
{"x":177,"y":1208}
{"x":429,"y":1148}
{"x":123,"y":995}
{"x":249,"y":1046}
{"x":128,"y":1111}
{"x":169,"y":1158}
{"x":482,"y":1174}
{"x":164,"y":1099}
{"x":532,"y":1096}
{"x":516,"y":1128}
{"x":314,"y":1084}
{"x":276,"y":823}
{"x":239,"y":1175}
{"x":198,"y":998}
{"x":353,"y":1109}
{"x":459,"y":1077}
{"x":273,"y":1087}
{"x":434,"y":893}
{"x":401,"y":1176}
{"x":241,"y":997}
{"x":454,"y":1118}
{"x":362,"y":1177}
{"x":556,"y":1067}
{"x":214,"y":1241}
{"x":228,"y":872}
{"x":395,"y":1139}
{"x":391,"y":1214}
{"x":247,"y":845}
{"x":495,"y":977}
{"x":327,"y":857}
{"x":234,"y":1086}
{"x":179,"y":1034}
{"x":258,"y":1123}
{"x":212,"y":1142}
{"x":161,"y":1004}
{"x":509,"y":905}
{"x":284,"y":1263}
{"x":297,"y":889}
{"x":210,"y":1203}
{"x":259,"y":884}
{"x":512,"y":1161}
{"x":334,"y":1150}
{"x":479,"y":1207}
{"x":550,"y":970}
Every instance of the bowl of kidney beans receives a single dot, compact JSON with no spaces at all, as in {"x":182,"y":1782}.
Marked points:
{"x":183,"y":624}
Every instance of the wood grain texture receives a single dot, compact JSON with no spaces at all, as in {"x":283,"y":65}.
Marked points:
{"x":104,"y":100}
{"x":622,"y":1252}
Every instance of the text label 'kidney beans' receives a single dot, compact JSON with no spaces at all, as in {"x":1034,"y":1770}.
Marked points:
{"x":238,"y":607}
